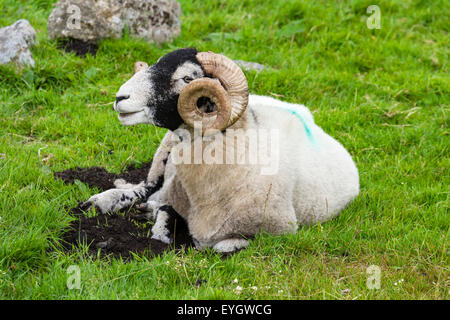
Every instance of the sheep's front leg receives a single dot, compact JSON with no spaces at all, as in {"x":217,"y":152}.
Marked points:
{"x":126,"y":194}
{"x":116,"y":199}
{"x":166,"y":222}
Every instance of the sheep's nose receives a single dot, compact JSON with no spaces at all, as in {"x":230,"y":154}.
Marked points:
{"x":120,"y":98}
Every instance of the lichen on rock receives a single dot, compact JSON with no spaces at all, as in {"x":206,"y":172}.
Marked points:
{"x":15,"y":43}
{"x":90,"y":20}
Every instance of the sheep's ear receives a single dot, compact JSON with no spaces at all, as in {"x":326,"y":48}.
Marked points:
{"x":138,"y":66}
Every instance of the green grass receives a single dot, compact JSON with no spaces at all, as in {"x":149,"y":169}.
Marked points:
{"x":384,"y":94}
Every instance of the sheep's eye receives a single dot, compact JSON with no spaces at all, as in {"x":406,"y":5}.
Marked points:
{"x":187,"y":79}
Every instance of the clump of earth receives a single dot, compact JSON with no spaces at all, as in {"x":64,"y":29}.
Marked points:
{"x":118,"y":234}
{"x":79,"y":47}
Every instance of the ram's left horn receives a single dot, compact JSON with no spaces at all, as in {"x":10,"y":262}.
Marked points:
{"x":188,"y":109}
{"x":225,"y":84}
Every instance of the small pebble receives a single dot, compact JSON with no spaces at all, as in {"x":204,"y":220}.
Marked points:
{"x":102,"y":245}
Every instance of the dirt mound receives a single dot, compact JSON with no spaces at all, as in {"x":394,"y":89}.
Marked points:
{"x":122,"y":233}
{"x":102,"y":179}
{"x":79,"y":47}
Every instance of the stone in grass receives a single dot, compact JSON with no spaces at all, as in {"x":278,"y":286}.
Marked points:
{"x":93,"y":20}
{"x":15,"y":43}
{"x":249,"y":66}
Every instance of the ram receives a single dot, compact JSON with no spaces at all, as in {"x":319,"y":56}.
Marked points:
{"x":263,"y":164}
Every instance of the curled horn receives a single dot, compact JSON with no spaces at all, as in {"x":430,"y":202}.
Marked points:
{"x":225,"y":85}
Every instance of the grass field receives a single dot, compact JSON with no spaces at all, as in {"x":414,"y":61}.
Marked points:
{"x":383,"y":93}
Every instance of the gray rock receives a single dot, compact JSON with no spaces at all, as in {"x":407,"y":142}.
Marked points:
{"x":15,"y":41}
{"x":105,"y":244}
{"x":92,"y":20}
{"x":249,"y":66}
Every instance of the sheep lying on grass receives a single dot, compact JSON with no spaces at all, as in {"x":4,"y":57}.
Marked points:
{"x":263,"y":164}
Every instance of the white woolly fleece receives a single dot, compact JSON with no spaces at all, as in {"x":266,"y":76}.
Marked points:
{"x":317,"y":178}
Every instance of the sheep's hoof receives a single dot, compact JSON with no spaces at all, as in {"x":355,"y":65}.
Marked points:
{"x":150,"y":208}
{"x":230,"y":245}
{"x":163,"y":238}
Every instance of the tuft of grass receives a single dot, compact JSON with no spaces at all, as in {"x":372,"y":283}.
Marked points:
{"x":383,"y":93}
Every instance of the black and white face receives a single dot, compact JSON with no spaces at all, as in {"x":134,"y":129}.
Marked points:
{"x":151,"y":95}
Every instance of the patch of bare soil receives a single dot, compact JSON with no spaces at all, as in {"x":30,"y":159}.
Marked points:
{"x":79,"y":47}
{"x":102,"y":179}
{"x":119,"y":234}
